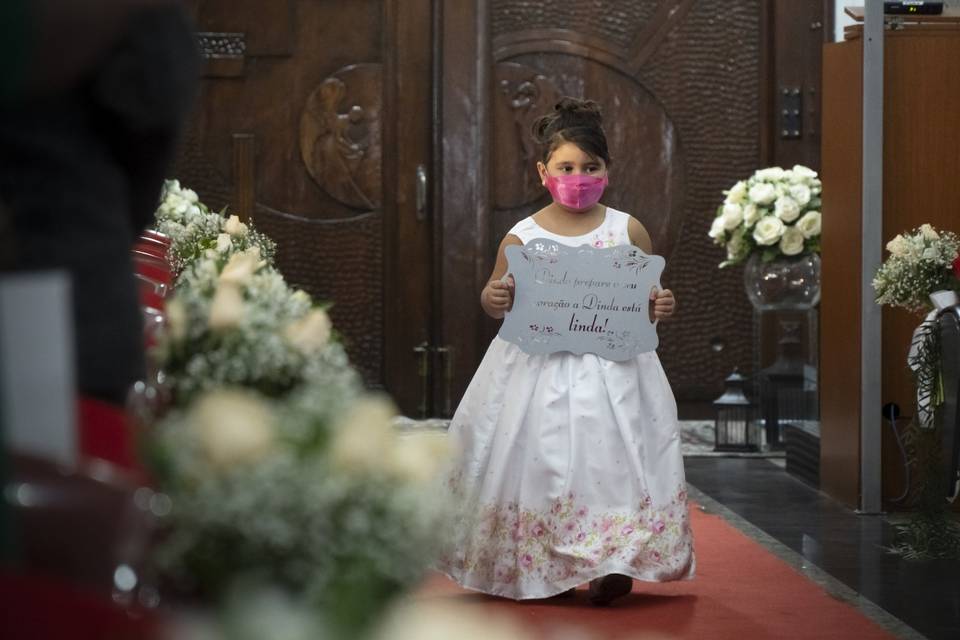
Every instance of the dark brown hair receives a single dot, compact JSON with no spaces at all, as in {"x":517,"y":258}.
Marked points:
{"x":576,"y":121}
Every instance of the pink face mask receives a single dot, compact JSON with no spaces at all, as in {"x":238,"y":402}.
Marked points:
{"x":576,"y":192}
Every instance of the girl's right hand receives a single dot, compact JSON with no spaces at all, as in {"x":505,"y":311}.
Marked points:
{"x":498,"y":297}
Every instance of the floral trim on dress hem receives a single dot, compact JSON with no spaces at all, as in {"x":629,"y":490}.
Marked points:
{"x":580,"y":580}
{"x":566,"y":542}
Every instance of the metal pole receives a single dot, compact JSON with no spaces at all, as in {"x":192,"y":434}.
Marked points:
{"x":871,"y":247}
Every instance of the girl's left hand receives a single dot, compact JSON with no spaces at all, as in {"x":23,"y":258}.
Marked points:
{"x":664,"y":304}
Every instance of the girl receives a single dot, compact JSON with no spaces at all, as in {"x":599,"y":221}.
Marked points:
{"x":570,"y":469}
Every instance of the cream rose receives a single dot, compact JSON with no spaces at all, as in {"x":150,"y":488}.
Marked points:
{"x":716,"y":229}
{"x":809,"y":224}
{"x":224,"y":243}
{"x":770,"y":173}
{"x":763,"y":193}
{"x":800,"y":194}
{"x":928,"y":232}
{"x":791,"y":242}
{"x":364,"y":437}
{"x":234,"y":227}
{"x":768,"y":230}
{"x":227,"y":308}
{"x":310,"y":333}
{"x":786,"y":209}
{"x":737,"y":193}
{"x":176,"y":319}
{"x":751,"y":213}
{"x":241,"y":266}
{"x":801,"y":171}
{"x":898,"y":246}
{"x":233,"y":427}
{"x":732,"y":216}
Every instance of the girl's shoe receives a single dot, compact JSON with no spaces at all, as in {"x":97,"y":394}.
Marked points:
{"x":605,"y":590}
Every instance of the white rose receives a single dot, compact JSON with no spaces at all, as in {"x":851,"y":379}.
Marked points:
{"x":364,"y":436}
{"x":791,"y":243}
{"x":763,"y":193}
{"x":224,"y":243}
{"x":234,"y":227}
{"x":929,"y":233}
{"x":800,"y":194}
{"x":418,"y":457}
{"x":301,"y":296}
{"x":190,"y":195}
{"x":732,"y":216}
{"x":804,"y":172}
{"x":716,"y":229}
{"x":423,"y":619}
{"x":227,"y":308}
{"x":241,"y":266}
{"x":770,"y":173}
{"x":233,"y":427}
{"x":809,"y":224}
{"x":898,"y":246}
{"x":786,"y":209}
{"x":176,"y":319}
{"x":768,"y":230}
{"x":737,"y":193}
{"x":751,"y":213}
{"x":310,"y":333}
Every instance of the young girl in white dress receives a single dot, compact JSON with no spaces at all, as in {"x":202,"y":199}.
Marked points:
{"x":570,"y":468}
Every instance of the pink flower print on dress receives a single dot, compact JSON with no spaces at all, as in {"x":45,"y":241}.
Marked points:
{"x":527,"y":560}
{"x":627,"y":530}
{"x":538,"y":529}
{"x":658,"y":526}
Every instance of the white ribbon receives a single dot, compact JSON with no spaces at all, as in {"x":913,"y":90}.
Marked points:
{"x":941,"y":300}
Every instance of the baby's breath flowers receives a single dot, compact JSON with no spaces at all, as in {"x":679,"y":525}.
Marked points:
{"x":921,"y":261}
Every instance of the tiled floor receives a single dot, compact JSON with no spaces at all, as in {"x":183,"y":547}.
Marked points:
{"x":847,"y":546}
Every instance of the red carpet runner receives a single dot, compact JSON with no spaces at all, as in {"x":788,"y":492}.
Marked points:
{"x":741,"y":592}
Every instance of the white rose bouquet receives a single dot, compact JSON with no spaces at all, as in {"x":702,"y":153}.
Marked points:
{"x":235,"y":321}
{"x":193,"y":229}
{"x":314,"y":495}
{"x":775,"y":212}
{"x":280,"y":471}
{"x":921,"y":261}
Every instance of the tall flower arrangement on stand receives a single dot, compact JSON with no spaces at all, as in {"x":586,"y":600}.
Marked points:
{"x":775,"y":212}
{"x":922,"y":274}
{"x":284,"y":475}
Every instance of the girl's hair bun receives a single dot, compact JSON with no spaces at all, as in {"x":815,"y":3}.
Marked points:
{"x":584,"y":111}
{"x":572,"y":120}
{"x":567,"y":114}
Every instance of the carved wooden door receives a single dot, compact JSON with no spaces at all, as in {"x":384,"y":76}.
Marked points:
{"x":302,"y":126}
{"x":679,"y":84}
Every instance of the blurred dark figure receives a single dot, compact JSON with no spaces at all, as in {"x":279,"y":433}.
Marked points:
{"x":93,"y":94}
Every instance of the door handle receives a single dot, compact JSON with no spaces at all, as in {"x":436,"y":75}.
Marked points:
{"x":421,"y":183}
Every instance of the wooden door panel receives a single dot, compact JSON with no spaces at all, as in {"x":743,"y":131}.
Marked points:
{"x":296,"y":108}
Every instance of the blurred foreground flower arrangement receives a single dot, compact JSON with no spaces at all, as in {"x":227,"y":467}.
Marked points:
{"x":283,"y":473}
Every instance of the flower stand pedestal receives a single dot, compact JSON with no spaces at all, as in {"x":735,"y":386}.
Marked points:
{"x":784,"y":293}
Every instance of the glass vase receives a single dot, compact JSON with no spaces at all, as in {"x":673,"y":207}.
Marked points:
{"x":785,"y":283}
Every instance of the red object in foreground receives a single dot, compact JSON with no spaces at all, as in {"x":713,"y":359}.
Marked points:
{"x":49,"y":609}
{"x":956,"y":267}
{"x":741,"y":591}
{"x":104,"y":432}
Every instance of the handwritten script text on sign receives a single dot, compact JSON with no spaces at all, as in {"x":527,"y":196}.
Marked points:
{"x":582,"y":299}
